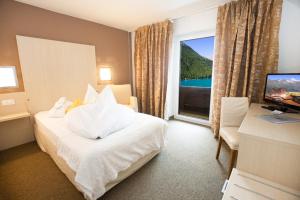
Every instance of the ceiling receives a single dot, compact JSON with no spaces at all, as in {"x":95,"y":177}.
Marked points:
{"x":124,"y":14}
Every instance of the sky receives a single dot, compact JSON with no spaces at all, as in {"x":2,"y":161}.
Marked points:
{"x":286,"y":77}
{"x":203,"y":46}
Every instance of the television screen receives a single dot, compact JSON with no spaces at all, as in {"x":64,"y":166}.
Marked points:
{"x":283,"y":89}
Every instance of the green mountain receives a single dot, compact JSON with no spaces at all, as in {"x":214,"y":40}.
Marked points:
{"x":193,"y":65}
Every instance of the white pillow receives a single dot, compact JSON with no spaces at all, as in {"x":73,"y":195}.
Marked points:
{"x":95,"y":121}
{"x":115,"y":118}
{"x":59,"y":108}
{"x":106,"y":97}
{"x":90,"y":95}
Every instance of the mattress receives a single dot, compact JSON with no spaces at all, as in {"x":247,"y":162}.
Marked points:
{"x":123,"y":152}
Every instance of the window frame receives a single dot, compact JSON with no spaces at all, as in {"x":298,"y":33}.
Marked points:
{"x":176,"y":60}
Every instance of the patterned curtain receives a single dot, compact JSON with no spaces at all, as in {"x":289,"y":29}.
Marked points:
{"x":151,"y":66}
{"x":246,"y":50}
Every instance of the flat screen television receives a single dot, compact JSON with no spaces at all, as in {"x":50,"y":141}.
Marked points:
{"x":283,"y":89}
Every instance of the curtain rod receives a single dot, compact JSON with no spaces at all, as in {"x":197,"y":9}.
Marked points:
{"x":173,"y":19}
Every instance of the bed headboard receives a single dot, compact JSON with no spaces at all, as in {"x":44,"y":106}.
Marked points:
{"x":52,"y":69}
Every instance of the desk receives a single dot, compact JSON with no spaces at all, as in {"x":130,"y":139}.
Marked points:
{"x":268,"y":150}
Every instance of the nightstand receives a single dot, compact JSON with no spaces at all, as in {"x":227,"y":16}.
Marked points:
{"x":15,"y":129}
{"x":14,"y":116}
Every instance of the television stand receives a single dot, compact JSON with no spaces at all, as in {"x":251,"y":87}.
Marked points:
{"x":280,"y":108}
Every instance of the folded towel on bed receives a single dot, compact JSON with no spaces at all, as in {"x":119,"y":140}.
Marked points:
{"x":59,"y":108}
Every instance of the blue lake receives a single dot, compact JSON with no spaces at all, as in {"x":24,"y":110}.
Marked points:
{"x":206,"y":82}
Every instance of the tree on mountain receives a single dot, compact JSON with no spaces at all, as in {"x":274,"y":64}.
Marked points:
{"x":193,"y":65}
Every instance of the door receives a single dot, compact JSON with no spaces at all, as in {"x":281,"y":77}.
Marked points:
{"x":195,"y":66}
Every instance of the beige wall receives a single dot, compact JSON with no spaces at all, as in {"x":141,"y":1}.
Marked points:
{"x":20,"y":103}
{"x":112,"y":49}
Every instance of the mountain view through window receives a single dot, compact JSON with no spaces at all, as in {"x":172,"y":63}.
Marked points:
{"x":196,"y":62}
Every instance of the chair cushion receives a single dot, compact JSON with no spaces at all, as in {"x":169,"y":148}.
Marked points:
{"x":231,"y":136}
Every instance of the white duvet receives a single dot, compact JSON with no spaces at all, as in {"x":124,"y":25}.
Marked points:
{"x":98,"y":162}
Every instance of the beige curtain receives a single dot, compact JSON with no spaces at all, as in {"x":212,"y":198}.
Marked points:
{"x":246,"y":50}
{"x":151,"y":65}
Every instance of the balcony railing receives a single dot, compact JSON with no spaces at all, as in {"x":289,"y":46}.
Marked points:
{"x":194,"y":101}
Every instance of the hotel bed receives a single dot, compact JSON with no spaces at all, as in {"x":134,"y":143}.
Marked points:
{"x":95,"y":166}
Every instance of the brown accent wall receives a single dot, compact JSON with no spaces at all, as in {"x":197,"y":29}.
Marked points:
{"x":112,"y":45}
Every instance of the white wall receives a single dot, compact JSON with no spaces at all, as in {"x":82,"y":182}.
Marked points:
{"x":205,"y":21}
{"x":289,"y":37}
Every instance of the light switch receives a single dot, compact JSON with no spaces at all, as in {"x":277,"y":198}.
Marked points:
{"x":8,"y":102}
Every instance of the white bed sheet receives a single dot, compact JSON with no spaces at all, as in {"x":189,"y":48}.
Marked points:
{"x":97,"y":162}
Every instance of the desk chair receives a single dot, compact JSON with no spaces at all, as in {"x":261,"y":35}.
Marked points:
{"x":233,"y":111}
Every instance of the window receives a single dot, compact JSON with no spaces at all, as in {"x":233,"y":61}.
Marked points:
{"x":8,"y":77}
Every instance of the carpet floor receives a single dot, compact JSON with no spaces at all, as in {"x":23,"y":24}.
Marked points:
{"x":186,"y":169}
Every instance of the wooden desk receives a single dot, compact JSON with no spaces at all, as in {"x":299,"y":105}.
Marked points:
{"x":268,"y":150}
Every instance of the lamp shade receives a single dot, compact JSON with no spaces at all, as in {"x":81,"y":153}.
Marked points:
{"x":105,"y":74}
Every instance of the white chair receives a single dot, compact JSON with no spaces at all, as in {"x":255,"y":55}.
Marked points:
{"x":233,"y":111}
{"x":123,"y":95}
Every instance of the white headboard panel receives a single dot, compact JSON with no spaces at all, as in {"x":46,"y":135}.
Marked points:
{"x":52,"y":69}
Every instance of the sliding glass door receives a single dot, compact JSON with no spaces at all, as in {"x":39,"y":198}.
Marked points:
{"x":195,"y":77}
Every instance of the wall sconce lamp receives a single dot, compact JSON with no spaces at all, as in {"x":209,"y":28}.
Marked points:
{"x":105,"y":74}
